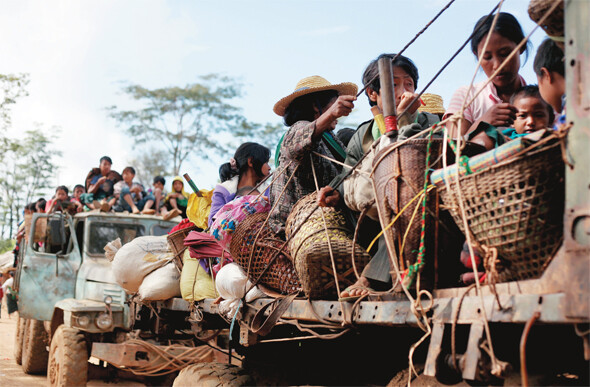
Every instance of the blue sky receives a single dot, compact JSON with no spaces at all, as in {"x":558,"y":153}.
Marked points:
{"x":78,"y":54}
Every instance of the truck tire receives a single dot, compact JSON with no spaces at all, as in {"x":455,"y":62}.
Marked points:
{"x":68,"y":358}
{"x":18,"y":340}
{"x":34,"y":357}
{"x":212,"y":375}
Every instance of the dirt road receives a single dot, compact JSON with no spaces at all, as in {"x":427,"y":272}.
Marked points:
{"x":11,"y":374}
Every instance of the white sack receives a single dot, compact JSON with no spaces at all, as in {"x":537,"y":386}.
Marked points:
{"x":161,"y":284}
{"x":111,"y":248}
{"x":138,"y":258}
{"x":231,"y":282}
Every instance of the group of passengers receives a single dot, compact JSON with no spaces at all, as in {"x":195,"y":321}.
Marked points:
{"x":311,"y":155}
{"x":106,"y":190}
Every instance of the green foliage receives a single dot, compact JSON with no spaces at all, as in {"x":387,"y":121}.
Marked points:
{"x":6,"y":245}
{"x":28,"y":170}
{"x":185,"y":121}
{"x":12,"y":87}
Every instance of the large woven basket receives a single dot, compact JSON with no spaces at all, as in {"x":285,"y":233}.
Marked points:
{"x":399,"y":178}
{"x":176,"y":243}
{"x":308,"y":245}
{"x":516,"y":207}
{"x":264,"y":262}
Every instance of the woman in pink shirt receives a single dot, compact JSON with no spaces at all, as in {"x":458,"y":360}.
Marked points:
{"x":492,"y":105}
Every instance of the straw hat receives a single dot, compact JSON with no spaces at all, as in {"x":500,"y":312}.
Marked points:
{"x":433,"y":103}
{"x":310,"y":85}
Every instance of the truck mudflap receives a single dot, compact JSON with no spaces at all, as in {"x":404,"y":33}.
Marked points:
{"x":147,"y":359}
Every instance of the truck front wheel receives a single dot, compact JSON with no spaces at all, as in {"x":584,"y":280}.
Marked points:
{"x":34,"y":356}
{"x":18,"y":341}
{"x":68,"y":358}
{"x":212,"y":375}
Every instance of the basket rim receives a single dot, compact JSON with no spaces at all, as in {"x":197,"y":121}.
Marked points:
{"x":533,"y":152}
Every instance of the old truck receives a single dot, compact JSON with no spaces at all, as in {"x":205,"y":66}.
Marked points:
{"x":526,"y":331}
{"x":68,"y":297}
{"x":539,"y":327}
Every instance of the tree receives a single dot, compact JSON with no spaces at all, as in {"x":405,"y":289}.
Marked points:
{"x":190,"y":120}
{"x":149,"y":164}
{"x":12,"y":87}
{"x":28,"y":172}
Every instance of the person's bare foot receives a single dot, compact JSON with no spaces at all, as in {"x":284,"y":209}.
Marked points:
{"x":358,"y":289}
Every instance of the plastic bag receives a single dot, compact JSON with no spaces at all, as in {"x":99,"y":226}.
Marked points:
{"x":195,"y":283}
{"x":161,"y":284}
{"x":198,"y":208}
{"x":138,"y":258}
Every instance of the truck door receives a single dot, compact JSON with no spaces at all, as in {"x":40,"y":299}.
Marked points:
{"x":49,"y":265}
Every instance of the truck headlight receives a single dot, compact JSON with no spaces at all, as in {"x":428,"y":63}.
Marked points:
{"x":104,"y":321}
{"x":83,"y":321}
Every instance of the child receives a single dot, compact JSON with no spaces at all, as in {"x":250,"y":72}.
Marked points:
{"x":78,"y":191}
{"x":177,"y":200}
{"x":61,"y":202}
{"x":550,"y":70}
{"x":130,"y":195}
{"x":532,"y":114}
{"x":159,"y":194}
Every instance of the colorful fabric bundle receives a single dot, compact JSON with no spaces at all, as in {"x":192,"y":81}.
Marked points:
{"x":202,"y":246}
{"x":232,"y":213}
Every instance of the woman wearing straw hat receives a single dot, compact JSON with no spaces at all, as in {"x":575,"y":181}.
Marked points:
{"x":311,"y":113}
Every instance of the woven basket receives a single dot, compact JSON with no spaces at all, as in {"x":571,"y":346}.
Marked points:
{"x":516,"y":207}
{"x":554,"y":23}
{"x":267,"y":267}
{"x":176,"y":243}
{"x":399,"y":177}
{"x":311,"y":253}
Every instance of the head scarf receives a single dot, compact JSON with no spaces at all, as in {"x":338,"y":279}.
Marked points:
{"x":184,"y":193}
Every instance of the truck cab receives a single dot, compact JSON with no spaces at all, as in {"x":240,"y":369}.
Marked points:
{"x":64,"y":279}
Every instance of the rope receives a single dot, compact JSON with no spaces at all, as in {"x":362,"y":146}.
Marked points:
{"x":335,"y":273}
{"x":409,"y":43}
{"x":523,"y":339}
{"x":446,"y":64}
{"x":460,"y":199}
{"x":396,"y":217}
{"x":168,"y":361}
{"x":417,"y":266}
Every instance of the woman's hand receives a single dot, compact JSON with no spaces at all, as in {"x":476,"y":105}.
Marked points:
{"x":328,"y":197}
{"x":341,"y":107}
{"x":502,"y":114}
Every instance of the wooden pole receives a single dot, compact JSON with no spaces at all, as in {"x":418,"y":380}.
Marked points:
{"x":192,"y":184}
{"x":387,"y":93}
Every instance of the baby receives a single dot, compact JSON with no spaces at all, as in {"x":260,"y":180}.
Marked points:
{"x":533,"y":113}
